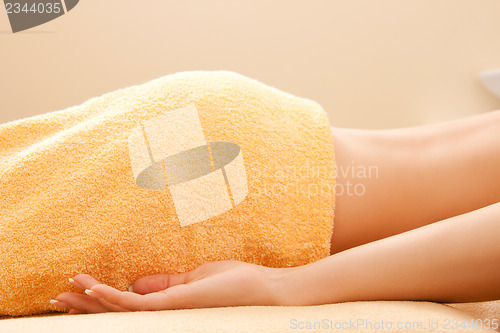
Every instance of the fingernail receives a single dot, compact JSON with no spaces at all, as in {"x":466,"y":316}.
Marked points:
{"x":71,"y":280}
{"x":131,"y":287}
{"x":53,"y":302}
{"x":89,"y":292}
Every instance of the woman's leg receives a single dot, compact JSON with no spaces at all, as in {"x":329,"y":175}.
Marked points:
{"x":392,"y":181}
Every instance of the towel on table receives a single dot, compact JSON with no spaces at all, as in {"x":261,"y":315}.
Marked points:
{"x":161,"y":178}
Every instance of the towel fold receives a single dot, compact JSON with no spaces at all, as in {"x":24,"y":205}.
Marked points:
{"x":160,"y":178}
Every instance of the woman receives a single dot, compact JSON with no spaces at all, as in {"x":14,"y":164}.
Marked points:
{"x":422,"y":224}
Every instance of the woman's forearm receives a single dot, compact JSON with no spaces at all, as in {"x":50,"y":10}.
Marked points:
{"x":454,"y":260}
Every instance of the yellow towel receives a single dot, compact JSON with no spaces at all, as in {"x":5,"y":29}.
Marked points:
{"x":162,"y":177}
{"x":348,"y":317}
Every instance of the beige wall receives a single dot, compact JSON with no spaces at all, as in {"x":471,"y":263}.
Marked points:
{"x":371,"y":64}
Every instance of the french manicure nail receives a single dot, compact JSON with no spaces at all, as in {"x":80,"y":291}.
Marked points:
{"x":89,"y":292}
{"x":71,"y":280}
{"x":53,"y":302}
{"x":131,"y":287}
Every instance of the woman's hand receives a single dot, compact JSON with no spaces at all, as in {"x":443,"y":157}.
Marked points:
{"x":214,"y":284}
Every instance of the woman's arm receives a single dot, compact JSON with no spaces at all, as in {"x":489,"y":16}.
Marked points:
{"x":454,"y":260}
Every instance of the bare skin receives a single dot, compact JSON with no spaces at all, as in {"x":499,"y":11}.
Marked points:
{"x":425,"y":228}
{"x":425,"y":174}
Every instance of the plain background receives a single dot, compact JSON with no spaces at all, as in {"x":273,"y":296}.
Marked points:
{"x":371,"y":64}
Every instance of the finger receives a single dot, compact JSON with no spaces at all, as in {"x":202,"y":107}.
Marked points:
{"x":154,"y":283}
{"x":81,"y":302}
{"x":74,"y":311}
{"x":176,"y":297}
{"x":59,"y":304}
{"x":76,"y":284}
{"x":111,"y":306}
{"x":86,"y":281}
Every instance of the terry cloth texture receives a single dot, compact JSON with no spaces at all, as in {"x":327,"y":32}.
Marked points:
{"x":350,"y":317}
{"x":161,"y":178}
